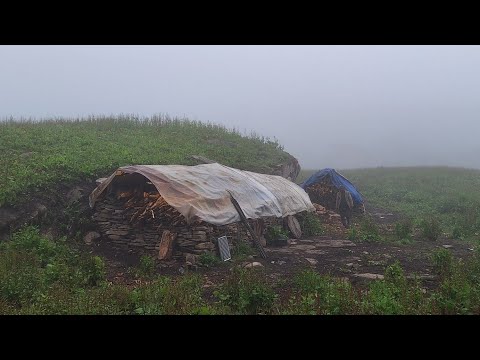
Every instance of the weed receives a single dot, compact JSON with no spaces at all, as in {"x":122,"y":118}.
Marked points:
{"x":430,"y":228}
{"x":246,"y":291}
{"x":442,"y":261}
{"x":146,"y":267}
{"x":403,"y":229}
{"x":311,"y":225}
{"x":208,"y":259}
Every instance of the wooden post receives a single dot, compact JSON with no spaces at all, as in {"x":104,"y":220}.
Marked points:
{"x":166,"y":245}
{"x":256,"y":240}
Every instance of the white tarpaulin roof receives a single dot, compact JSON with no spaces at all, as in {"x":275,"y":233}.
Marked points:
{"x":201,"y":192}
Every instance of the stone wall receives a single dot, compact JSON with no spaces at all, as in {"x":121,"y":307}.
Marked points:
{"x":113,"y":221}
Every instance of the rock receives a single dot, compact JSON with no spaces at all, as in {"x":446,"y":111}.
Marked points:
{"x":312,"y":261}
{"x":39,"y":211}
{"x":205,"y":246}
{"x":263,"y":241}
{"x":191,"y":259}
{"x":370,"y":276}
{"x":74,"y":195}
{"x":117,"y":232}
{"x":447,"y":246}
{"x":92,"y":235}
{"x":254,"y":264}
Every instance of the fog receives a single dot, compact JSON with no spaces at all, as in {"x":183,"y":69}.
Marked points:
{"x":330,"y":106}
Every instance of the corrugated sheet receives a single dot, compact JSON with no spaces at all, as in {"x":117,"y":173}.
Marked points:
{"x":201,"y":192}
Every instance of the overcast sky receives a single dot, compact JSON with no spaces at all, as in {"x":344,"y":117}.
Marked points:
{"x":330,"y":106}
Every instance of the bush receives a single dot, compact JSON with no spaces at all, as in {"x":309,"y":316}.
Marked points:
{"x":311,"y":225}
{"x":166,"y":296}
{"x":146,"y":266}
{"x":317,"y":294}
{"x":208,"y":259}
{"x":430,"y":228}
{"x":352,"y":234}
{"x":404,"y":229}
{"x":246,"y":291}
{"x":242,"y":249}
{"x":276,"y":233}
{"x":368,"y":230}
{"x":442,"y":261}
{"x":94,"y":271}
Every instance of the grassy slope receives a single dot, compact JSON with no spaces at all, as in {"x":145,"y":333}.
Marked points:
{"x":448,"y":193}
{"x":38,"y":155}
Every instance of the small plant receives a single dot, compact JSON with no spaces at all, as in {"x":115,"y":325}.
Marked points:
{"x":311,"y":225}
{"x":242,"y":249}
{"x":276,"y":233}
{"x":208,"y":259}
{"x":368,"y":230}
{"x":430,"y":228}
{"x":147,"y":266}
{"x":246,"y":291}
{"x":442,"y":261}
{"x":352,"y":234}
{"x":403,"y":229}
{"x":94,"y":269}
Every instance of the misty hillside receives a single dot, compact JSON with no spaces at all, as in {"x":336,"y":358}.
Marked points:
{"x":450,"y":194}
{"x":37,"y":155}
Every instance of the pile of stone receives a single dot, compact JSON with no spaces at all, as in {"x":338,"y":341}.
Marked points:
{"x":134,"y":221}
{"x":330,"y":220}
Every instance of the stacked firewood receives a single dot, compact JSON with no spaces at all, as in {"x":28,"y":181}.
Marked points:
{"x":324,"y":194}
{"x":150,"y":207}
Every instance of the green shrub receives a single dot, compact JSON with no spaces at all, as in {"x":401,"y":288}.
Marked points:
{"x":430,"y":228}
{"x":166,"y":296}
{"x":403,"y":229}
{"x":311,"y":225}
{"x":275,"y":233}
{"x":442,"y":261}
{"x":394,"y":295}
{"x":352,"y":234}
{"x":246,"y":291}
{"x":317,"y":294}
{"x":146,"y":266}
{"x":93,"y":269}
{"x":209,"y":259}
{"x":242,"y":249}
{"x":368,"y":230}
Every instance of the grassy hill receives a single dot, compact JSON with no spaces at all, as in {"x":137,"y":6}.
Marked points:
{"x":450,"y":194}
{"x":37,"y":155}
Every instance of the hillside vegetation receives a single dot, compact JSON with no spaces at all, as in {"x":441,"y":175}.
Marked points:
{"x":450,"y":194}
{"x":37,"y":155}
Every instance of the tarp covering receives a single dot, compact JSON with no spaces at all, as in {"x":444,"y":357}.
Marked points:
{"x":201,"y":192}
{"x":333,"y":177}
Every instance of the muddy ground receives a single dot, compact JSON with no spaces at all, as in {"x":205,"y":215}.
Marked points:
{"x":331,"y":254}
{"x":359,"y":262}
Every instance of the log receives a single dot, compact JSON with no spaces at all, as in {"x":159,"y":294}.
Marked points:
{"x":166,"y":245}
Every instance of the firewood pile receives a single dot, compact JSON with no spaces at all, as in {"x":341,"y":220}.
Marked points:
{"x":324,"y":194}
{"x":134,"y":221}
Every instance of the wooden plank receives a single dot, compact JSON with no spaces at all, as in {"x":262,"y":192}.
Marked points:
{"x":294,"y":226}
{"x":166,"y":245}
{"x":240,"y":212}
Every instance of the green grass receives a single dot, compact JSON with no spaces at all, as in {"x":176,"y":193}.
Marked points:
{"x":43,"y":276}
{"x":448,"y":194}
{"x":37,"y":155}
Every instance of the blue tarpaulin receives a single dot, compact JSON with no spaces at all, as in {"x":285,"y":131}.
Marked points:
{"x":337,"y":180}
